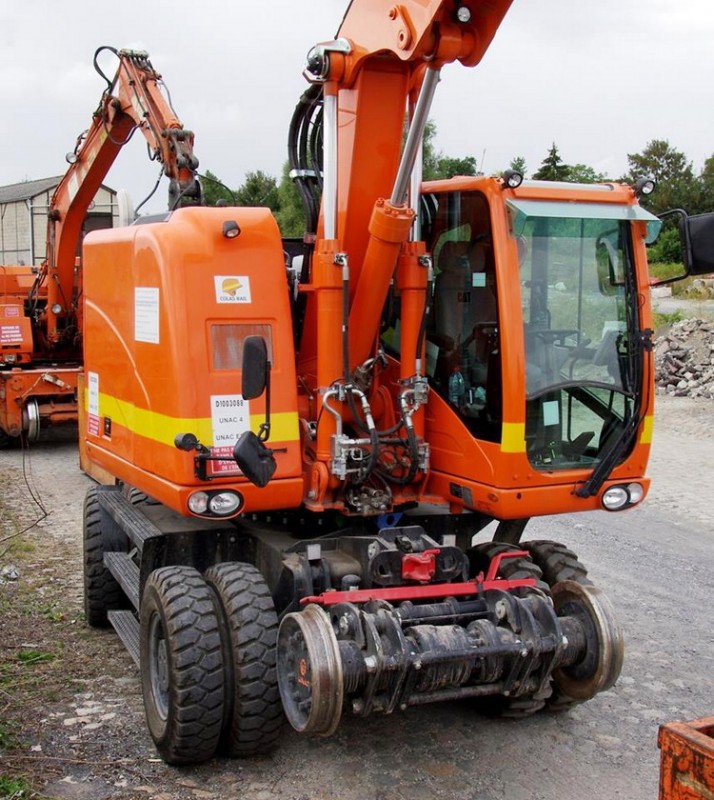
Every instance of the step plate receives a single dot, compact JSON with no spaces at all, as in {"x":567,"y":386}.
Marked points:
{"x":127,"y":626}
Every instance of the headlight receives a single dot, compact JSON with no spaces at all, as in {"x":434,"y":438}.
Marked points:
{"x":618,"y":497}
{"x":198,"y":502}
{"x":636,"y":492}
{"x":224,"y":503}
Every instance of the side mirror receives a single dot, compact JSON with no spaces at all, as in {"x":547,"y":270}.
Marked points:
{"x":695,"y":248}
{"x":700,"y":229}
{"x":255,"y":367}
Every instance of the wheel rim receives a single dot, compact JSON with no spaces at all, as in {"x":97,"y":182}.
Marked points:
{"x":602,"y":662}
{"x":159,"y":667}
{"x":310,"y":677}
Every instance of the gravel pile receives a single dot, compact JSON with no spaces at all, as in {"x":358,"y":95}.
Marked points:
{"x":684,"y":359}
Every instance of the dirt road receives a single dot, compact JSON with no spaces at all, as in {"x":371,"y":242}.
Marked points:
{"x":88,"y":739}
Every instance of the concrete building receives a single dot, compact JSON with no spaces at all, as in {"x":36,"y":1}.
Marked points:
{"x":23,"y":218}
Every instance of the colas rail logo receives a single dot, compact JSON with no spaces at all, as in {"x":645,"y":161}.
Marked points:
{"x":232,"y":288}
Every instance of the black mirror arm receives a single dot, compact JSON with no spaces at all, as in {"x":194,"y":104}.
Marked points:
{"x":264,"y":430}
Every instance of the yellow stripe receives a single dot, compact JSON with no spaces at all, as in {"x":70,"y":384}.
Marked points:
{"x":513,"y":437}
{"x":647,"y":427}
{"x":163,"y":428}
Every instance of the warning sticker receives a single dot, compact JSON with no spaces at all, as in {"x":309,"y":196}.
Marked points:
{"x":12,"y":311}
{"x":230,"y":417}
{"x":10,"y":334}
{"x":146,"y":314}
{"x":93,"y":403}
{"x":232,"y":288}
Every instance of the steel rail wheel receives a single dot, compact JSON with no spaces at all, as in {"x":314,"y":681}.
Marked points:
{"x":310,"y":674}
{"x":181,"y":661}
{"x":601,"y":663}
{"x":254,"y":714}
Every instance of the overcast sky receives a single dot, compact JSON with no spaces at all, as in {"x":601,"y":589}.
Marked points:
{"x":600,"y":79}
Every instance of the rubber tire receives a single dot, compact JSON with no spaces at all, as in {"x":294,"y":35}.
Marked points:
{"x":102,"y":593}
{"x":254,"y":715}
{"x":186,"y":719}
{"x":480,"y":556}
{"x":558,"y":563}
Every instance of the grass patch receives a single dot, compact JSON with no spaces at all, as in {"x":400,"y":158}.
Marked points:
{"x":662,"y":320}
{"x":683,"y":287}
{"x":16,"y":789}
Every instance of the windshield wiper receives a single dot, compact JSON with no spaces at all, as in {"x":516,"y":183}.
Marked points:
{"x":638,"y":344}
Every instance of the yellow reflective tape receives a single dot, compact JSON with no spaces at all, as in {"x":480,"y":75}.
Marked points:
{"x":513,"y":437}
{"x":163,"y":428}
{"x":647,"y":427}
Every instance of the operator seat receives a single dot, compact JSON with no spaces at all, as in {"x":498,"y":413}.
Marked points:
{"x":464,"y":296}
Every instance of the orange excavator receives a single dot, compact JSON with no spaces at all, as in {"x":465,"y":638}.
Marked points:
{"x":41,"y":326}
{"x":302,"y":445}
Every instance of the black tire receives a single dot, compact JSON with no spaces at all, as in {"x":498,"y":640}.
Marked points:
{"x":558,"y":563}
{"x":254,"y":715}
{"x":136,"y":497}
{"x":101,"y":591}
{"x":182,"y":673}
{"x":481,"y":555}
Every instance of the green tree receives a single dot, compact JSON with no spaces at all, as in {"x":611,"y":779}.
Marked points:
{"x":448,"y":166}
{"x":518,"y":164}
{"x":259,"y":189}
{"x":706,"y":187}
{"x":677,"y":186}
{"x":436,"y":164}
{"x":214,"y":190}
{"x":552,"y":168}
{"x":291,"y":215}
{"x":582,"y":173}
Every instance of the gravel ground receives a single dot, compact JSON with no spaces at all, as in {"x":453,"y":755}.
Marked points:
{"x":82,"y":729}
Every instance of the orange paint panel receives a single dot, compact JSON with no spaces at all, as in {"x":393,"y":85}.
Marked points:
{"x":154,"y":361}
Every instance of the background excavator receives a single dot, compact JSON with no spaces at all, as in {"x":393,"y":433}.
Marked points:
{"x":300,"y":443}
{"x":41,"y":326}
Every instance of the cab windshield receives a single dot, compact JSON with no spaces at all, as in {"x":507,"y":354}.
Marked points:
{"x":583,"y":359}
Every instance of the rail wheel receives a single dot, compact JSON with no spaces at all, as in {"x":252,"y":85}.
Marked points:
{"x":182,"y":673}
{"x":254,"y":715}
{"x":559,"y":564}
{"x":101,"y":591}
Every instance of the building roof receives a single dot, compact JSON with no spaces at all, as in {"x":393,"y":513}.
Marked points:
{"x":27,"y":189}
{"x":16,"y":192}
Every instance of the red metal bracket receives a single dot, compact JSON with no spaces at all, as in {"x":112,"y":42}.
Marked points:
{"x":432,"y":591}
{"x":495,"y":564}
{"x":420,"y":567}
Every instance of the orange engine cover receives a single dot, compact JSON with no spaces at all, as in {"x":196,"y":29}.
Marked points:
{"x":167,"y":307}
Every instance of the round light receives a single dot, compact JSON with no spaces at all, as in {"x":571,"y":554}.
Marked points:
{"x":615,"y":498}
{"x":463,"y":14}
{"x":224,"y":503}
{"x":644,"y":186}
{"x":198,"y":502}
{"x":56,"y":308}
{"x":512,"y":179}
{"x":636,"y":492}
{"x":231,"y":229}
